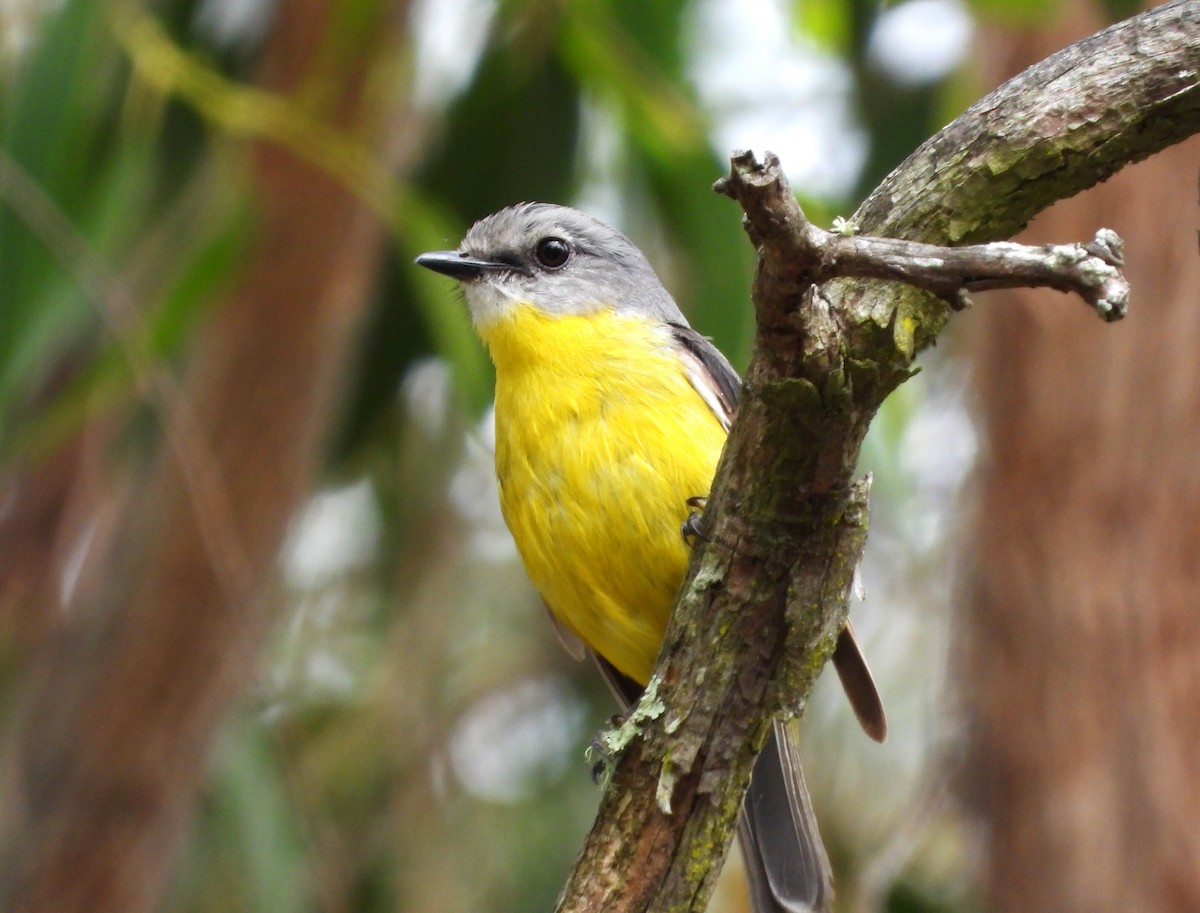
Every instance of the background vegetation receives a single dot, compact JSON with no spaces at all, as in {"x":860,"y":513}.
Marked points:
{"x":205,"y":263}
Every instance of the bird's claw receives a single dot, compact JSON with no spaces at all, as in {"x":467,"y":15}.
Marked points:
{"x":597,"y":752}
{"x":690,"y":530}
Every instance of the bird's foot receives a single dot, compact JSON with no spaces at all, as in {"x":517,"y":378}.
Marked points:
{"x":690,"y":530}
{"x":598,"y":751}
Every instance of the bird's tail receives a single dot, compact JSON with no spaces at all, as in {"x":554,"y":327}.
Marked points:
{"x":787,"y":869}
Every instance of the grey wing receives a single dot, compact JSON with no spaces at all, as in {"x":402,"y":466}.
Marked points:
{"x":567,"y":638}
{"x":708,"y":371}
{"x":623,"y":688}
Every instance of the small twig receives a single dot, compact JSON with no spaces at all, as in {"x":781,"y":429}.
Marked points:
{"x":1091,"y":270}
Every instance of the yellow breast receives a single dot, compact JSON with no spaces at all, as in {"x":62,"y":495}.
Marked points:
{"x":600,"y":441}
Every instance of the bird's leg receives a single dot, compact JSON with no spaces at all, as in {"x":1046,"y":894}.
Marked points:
{"x":690,"y":530}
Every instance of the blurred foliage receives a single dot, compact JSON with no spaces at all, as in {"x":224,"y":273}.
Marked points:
{"x":351,"y":780}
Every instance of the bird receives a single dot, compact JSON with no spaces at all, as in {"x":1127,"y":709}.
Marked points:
{"x":610,"y":415}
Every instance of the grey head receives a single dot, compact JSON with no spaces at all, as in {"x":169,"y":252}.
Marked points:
{"x":560,"y":260}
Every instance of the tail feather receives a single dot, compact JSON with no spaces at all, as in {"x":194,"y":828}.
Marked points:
{"x":787,"y":869}
{"x":859,"y":684}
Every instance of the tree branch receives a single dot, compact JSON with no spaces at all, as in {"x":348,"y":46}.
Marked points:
{"x":1090,"y":270}
{"x":1057,"y":128}
{"x":784,"y":525}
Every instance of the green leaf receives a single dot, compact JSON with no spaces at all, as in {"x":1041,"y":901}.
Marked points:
{"x":826,"y":23}
{"x":606,"y":58}
{"x":47,"y":122}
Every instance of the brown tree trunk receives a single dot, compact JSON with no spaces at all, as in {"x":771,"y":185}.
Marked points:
{"x":1081,"y":659}
{"x":162,"y":635}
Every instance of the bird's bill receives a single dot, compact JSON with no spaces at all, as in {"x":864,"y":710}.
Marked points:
{"x":458,"y":265}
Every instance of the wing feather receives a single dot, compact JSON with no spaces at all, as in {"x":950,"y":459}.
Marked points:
{"x":709,"y":372}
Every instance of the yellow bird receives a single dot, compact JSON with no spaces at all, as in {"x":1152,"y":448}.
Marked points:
{"x":611,"y":412}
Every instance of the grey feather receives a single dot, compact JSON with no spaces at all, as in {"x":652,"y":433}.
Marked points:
{"x":605,"y":268}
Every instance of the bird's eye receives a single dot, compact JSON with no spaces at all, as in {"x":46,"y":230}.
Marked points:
{"x":552,"y":253}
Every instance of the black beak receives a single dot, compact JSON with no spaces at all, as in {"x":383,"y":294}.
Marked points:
{"x":459,"y":266}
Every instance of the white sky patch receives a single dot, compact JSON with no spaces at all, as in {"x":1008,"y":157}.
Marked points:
{"x":939,"y":445}
{"x":601,"y":161}
{"x":21,"y":22}
{"x":427,"y":392}
{"x":449,"y":37}
{"x":920,"y":41}
{"x":318,"y":645}
{"x":511,"y":740}
{"x":474,"y":496}
{"x":765,"y":90}
{"x":937,"y":452}
{"x":337,"y":531}
{"x":235,"y":22}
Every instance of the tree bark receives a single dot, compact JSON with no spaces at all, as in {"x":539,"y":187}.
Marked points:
{"x":1081,"y":660}
{"x":126,"y":700}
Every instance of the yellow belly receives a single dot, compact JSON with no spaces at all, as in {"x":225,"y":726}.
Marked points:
{"x":600,"y":441}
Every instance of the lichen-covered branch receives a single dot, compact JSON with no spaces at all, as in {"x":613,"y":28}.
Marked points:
{"x":1055,"y":129}
{"x":785,"y":522}
{"x":778,"y":225}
